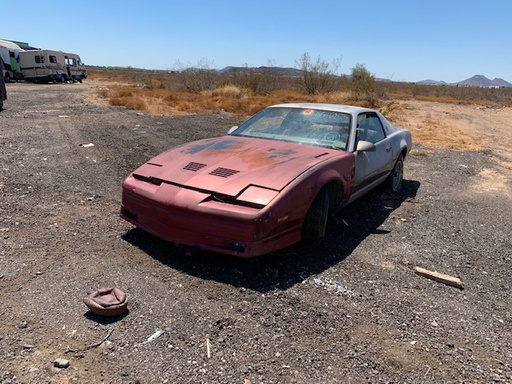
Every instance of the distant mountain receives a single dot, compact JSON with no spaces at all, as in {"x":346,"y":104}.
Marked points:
{"x":482,"y":81}
{"x":501,"y":83}
{"x":475,"y":81}
{"x":432,"y":82}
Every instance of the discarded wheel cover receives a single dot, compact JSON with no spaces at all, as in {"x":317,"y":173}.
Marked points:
{"x":107,"y":302}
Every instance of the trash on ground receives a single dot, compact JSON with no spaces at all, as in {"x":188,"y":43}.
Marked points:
{"x":107,"y":302}
{"x":154,"y":336}
{"x":439,"y":277}
{"x":61,"y":363}
{"x":332,"y":286}
{"x":208,"y":347}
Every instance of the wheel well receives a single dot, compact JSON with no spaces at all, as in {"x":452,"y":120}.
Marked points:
{"x":404,"y":152}
{"x":315,"y":221}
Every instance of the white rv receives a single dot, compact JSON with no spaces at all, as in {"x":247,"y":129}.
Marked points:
{"x":42,"y":65}
{"x":9,"y":54}
{"x":75,"y":69}
{"x":45,"y":65}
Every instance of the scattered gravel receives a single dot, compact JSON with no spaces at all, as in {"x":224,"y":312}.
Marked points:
{"x":349,"y":309}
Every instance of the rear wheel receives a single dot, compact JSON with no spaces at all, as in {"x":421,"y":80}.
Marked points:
{"x":396,"y":177}
{"x":7,"y":77}
{"x":316,"y":219}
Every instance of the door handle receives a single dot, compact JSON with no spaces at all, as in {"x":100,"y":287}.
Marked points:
{"x":388,"y":149}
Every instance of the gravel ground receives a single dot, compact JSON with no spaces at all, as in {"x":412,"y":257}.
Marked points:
{"x":349,"y":309}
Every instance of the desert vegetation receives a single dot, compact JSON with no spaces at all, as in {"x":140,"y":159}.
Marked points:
{"x":244,"y":91}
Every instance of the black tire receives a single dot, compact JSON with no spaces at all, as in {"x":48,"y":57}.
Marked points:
{"x":396,"y":177}
{"x":7,"y":77}
{"x":315,"y":222}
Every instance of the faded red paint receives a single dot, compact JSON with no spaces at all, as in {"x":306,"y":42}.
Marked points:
{"x":215,"y":193}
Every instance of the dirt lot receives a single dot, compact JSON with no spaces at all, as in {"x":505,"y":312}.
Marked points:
{"x":347,"y":310}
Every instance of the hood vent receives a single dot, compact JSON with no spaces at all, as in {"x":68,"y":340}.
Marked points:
{"x":194,"y":166}
{"x":223,"y":172}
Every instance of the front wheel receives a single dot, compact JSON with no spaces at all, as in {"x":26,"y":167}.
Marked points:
{"x":7,"y":77}
{"x":396,"y":177}
{"x":316,"y":219}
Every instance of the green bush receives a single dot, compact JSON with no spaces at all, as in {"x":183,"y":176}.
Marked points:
{"x":363,"y":85}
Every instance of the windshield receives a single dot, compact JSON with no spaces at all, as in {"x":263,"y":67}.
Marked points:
{"x":305,"y":126}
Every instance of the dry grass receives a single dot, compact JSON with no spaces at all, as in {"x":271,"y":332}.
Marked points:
{"x":434,"y":129}
{"x":440,"y":99}
{"x":230,"y":99}
{"x":157,"y":92}
{"x":434,"y":133}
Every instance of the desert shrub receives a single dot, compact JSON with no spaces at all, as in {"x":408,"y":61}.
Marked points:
{"x":317,"y":76}
{"x":260,"y":81}
{"x":123,"y":92}
{"x":197,"y":78}
{"x":135,"y":102}
{"x":389,"y":107}
{"x":363,"y":85}
{"x":104,"y":92}
{"x":155,"y":83}
{"x":250,"y":79}
{"x":228,"y":91}
{"x":263,"y":81}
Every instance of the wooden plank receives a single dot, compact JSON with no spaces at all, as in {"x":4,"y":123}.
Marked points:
{"x":439,"y":277}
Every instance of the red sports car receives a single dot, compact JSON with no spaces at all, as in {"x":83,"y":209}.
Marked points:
{"x":269,"y":183}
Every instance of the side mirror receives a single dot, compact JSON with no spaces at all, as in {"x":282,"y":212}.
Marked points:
{"x":232,"y":129}
{"x":365,"y":146}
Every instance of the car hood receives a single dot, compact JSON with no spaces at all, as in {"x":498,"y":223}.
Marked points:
{"x":229,"y":164}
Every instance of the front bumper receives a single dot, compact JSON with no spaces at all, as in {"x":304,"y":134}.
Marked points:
{"x":206,"y":224}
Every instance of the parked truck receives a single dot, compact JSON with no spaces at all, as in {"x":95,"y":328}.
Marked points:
{"x":45,"y":65}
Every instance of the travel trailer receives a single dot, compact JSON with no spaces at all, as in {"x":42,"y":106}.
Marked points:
{"x":9,"y":52}
{"x":45,"y":65}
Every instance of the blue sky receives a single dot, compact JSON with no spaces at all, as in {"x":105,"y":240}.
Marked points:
{"x":448,"y":40}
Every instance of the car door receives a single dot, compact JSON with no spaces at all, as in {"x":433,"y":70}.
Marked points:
{"x":372,"y":166}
